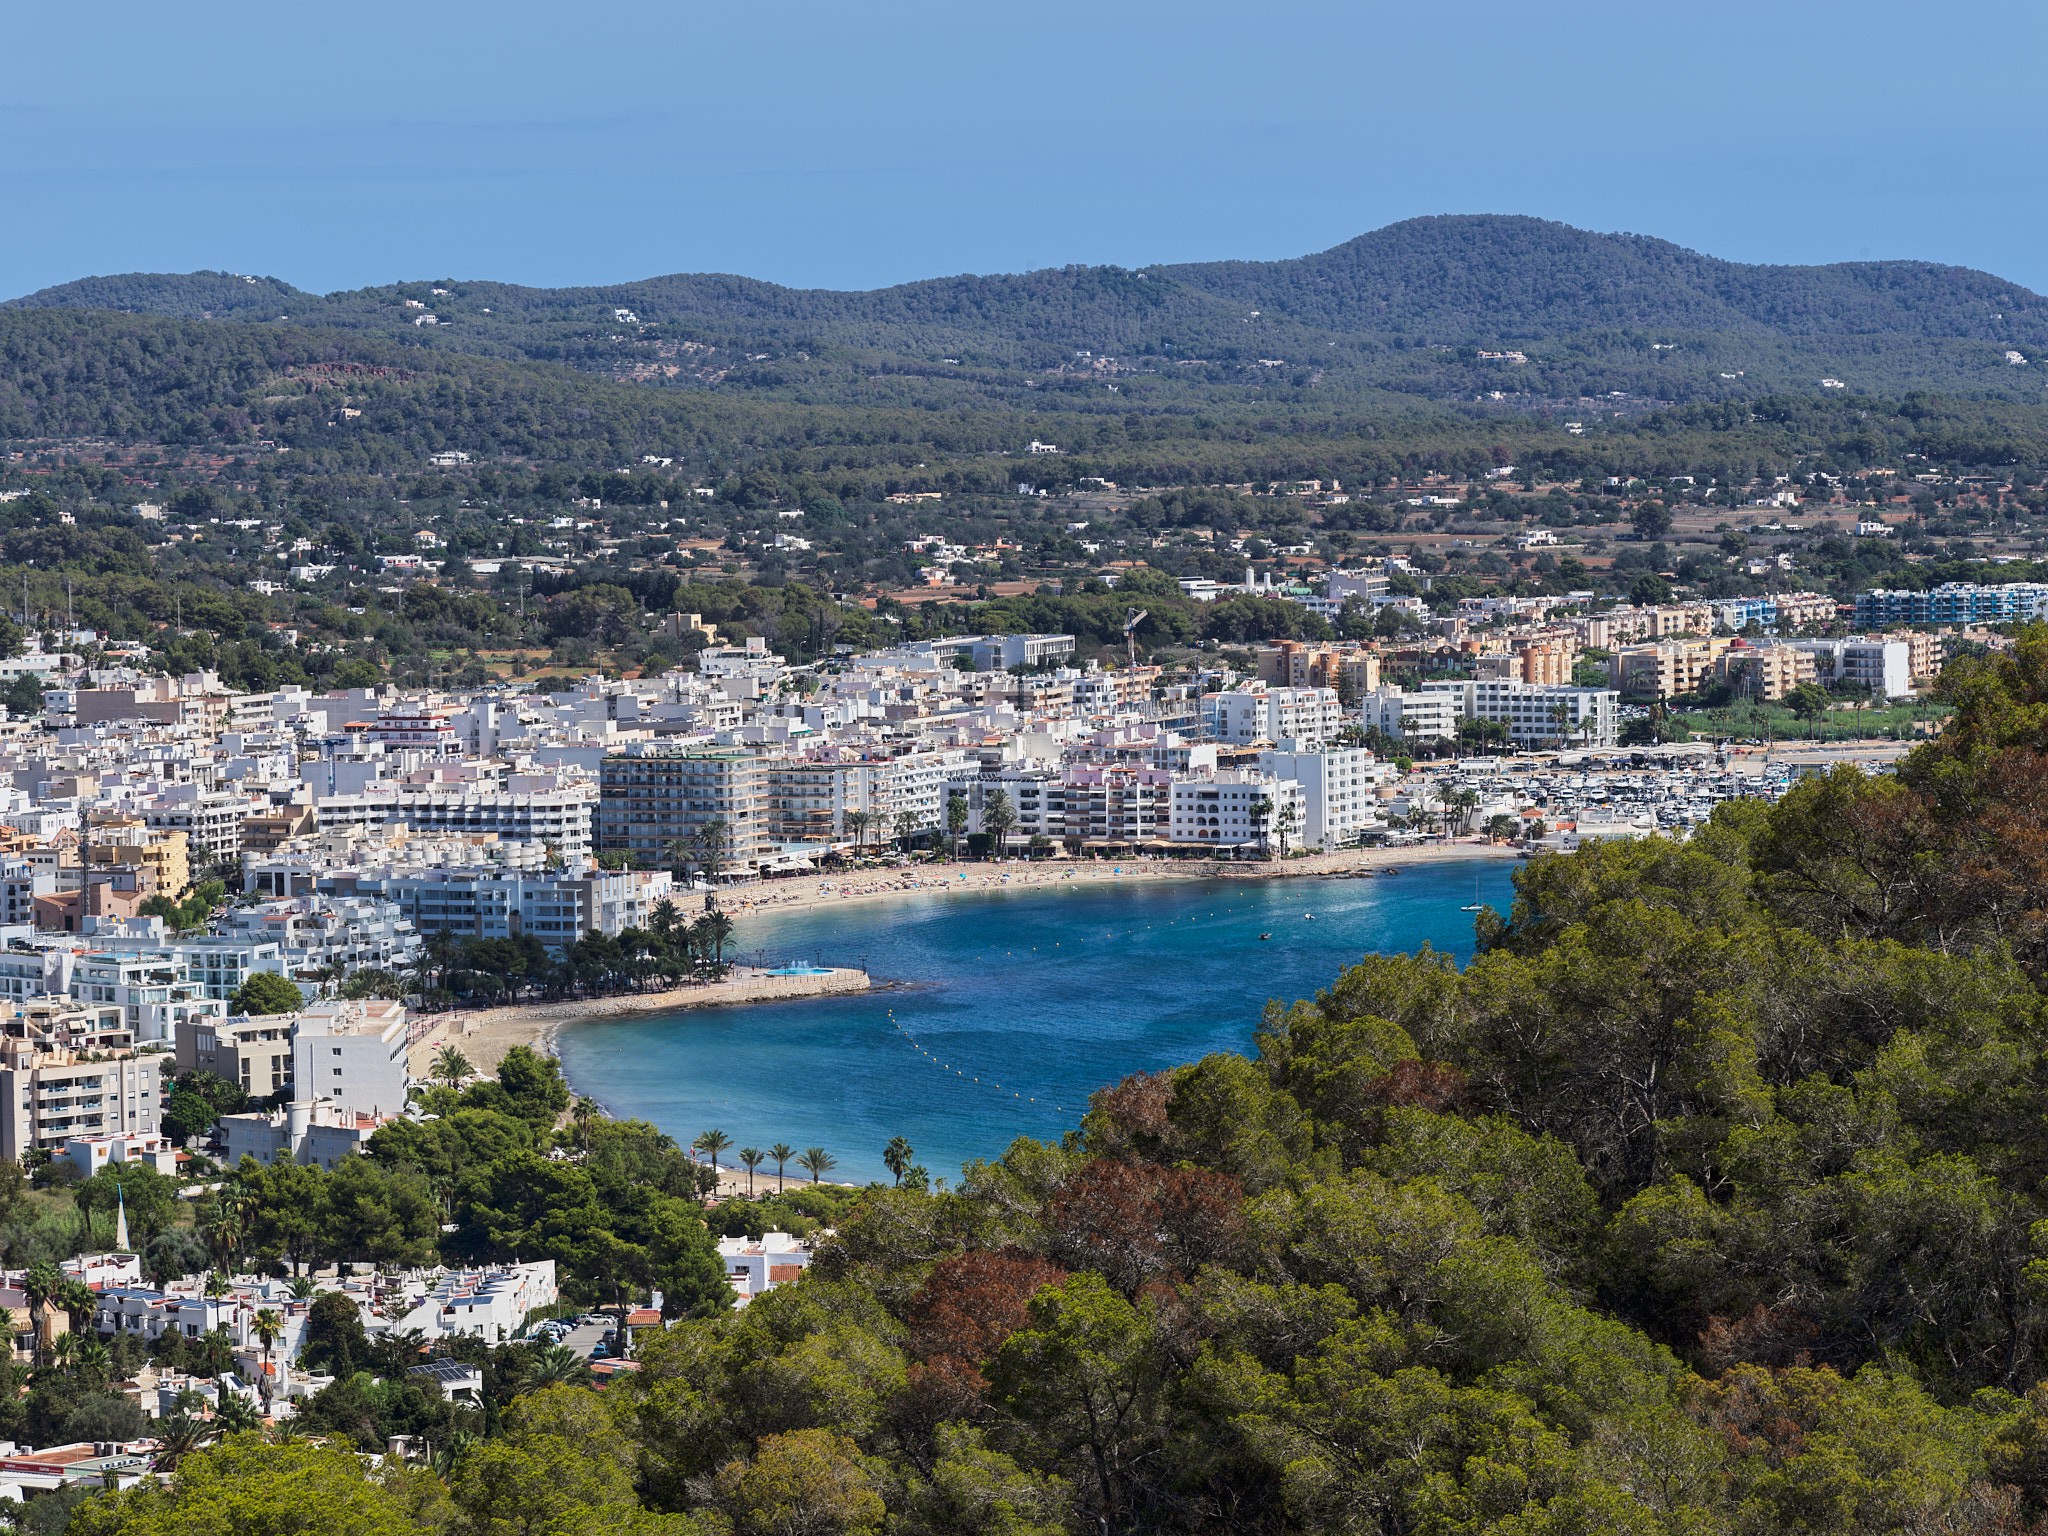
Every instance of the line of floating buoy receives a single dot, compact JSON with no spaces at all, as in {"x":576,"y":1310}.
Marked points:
{"x":947,"y":1066}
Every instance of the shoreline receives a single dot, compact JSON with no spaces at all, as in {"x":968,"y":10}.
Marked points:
{"x":485,"y":1035}
{"x":805,"y":893}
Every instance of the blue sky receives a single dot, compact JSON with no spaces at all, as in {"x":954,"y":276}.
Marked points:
{"x":854,"y":145}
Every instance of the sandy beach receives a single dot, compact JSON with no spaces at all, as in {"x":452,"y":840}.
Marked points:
{"x":798,"y":893}
{"x":485,"y":1035}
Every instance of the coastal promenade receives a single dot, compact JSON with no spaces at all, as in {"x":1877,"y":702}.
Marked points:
{"x":485,"y":1035}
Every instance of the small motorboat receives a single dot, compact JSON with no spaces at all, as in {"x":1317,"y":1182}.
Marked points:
{"x":1308,"y":917}
{"x":1264,"y":936}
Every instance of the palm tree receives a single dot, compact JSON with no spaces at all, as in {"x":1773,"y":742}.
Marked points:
{"x":663,"y":918}
{"x":300,"y":1288}
{"x":717,"y":929}
{"x":268,"y":1326}
{"x":1561,"y":717}
{"x":677,"y":851}
{"x":956,"y":822}
{"x":221,"y":1223}
{"x":896,"y":1157}
{"x":709,"y":845}
{"x":234,"y":1413}
{"x":216,"y":1286}
{"x":79,"y":1301}
{"x":1459,"y":806}
{"x":782,"y":1152}
{"x":906,"y":828}
{"x":751,"y":1158}
{"x":41,"y":1286}
{"x":817,"y":1162}
{"x":557,"y":1365}
{"x":998,"y":816}
{"x":857,"y":823}
{"x":711,"y":1143}
{"x":451,"y":1067}
{"x":448,"y":1456}
{"x":94,"y":1362}
{"x":1261,"y":813}
{"x":178,"y":1435}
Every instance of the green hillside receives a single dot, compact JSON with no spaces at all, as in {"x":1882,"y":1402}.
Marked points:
{"x":1406,"y":308}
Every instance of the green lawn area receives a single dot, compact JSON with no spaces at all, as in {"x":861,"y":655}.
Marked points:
{"x":1908,"y":721}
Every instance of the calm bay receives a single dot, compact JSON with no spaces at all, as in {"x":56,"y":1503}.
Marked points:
{"x":1005,"y":1010}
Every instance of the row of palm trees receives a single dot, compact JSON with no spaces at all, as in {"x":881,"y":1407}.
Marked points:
{"x":670,"y":949}
{"x":860,"y":823}
{"x":815,"y":1161}
{"x":898,"y":1156}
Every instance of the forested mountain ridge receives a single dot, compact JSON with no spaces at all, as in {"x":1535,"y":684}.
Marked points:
{"x":1458,"y":277}
{"x":1621,"y":311}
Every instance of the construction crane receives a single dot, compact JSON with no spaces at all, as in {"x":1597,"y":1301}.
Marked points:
{"x":1137,"y":617}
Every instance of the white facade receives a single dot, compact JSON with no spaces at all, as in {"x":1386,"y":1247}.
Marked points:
{"x":1537,"y":714}
{"x":353,"y":1055}
{"x":314,"y":1131}
{"x":1869,"y":666}
{"x":754,"y":1267}
{"x":1336,"y":787}
{"x":1305,"y":717}
{"x":560,"y":818}
{"x":1236,"y":808}
{"x":488,"y":1304}
{"x":1414,"y":717}
{"x":47,"y":1097}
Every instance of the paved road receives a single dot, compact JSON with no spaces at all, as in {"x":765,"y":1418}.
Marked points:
{"x":584,"y":1340}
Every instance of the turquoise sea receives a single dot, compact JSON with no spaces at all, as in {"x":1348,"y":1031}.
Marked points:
{"x":1005,"y":1010}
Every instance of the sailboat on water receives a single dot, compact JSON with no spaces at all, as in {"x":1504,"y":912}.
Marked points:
{"x":1475,"y":904}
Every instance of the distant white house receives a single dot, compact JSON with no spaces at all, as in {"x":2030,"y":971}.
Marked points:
{"x":753,"y":1267}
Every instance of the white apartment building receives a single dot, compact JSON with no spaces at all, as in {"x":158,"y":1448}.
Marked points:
{"x":489,"y":1304}
{"x":1416,"y":717}
{"x":352,"y":1054}
{"x":212,"y":823}
{"x":555,"y":906}
{"x":313,"y":1131}
{"x":1237,"y":809}
{"x":1036,"y":795}
{"x":50,"y":1093}
{"x":1868,"y":666}
{"x":314,"y":933}
{"x":810,"y":798}
{"x":1306,"y":718}
{"x":155,"y":991}
{"x":1536,"y":714}
{"x":560,"y":818}
{"x":1336,"y":788}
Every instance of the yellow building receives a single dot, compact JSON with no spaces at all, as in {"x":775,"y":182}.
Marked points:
{"x":1766,"y":672}
{"x":165,"y":855}
{"x":1666,"y":669}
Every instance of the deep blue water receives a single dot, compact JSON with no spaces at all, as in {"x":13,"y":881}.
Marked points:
{"x":1042,"y":995}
